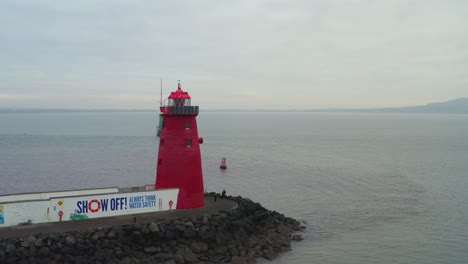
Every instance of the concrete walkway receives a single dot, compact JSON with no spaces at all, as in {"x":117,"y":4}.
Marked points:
{"x":210,"y":207}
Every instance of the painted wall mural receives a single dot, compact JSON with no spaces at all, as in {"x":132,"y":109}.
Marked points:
{"x":2,"y":215}
{"x":75,"y":208}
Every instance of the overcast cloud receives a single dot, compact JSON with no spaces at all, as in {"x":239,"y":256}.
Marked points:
{"x":233,"y":54}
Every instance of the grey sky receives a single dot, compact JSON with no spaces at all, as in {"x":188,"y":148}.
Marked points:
{"x":233,"y":54}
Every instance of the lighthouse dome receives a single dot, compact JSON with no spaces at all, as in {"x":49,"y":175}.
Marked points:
{"x":179,"y":97}
{"x":179,"y":94}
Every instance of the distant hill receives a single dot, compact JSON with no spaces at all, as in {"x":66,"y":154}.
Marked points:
{"x":456,"y":106}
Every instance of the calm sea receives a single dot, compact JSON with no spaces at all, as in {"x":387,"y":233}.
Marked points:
{"x":372,"y":188}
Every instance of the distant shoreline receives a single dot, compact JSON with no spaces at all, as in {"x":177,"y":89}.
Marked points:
{"x":27,"y":110}
{"x":456,"y":106}
{"x":78,"y":111}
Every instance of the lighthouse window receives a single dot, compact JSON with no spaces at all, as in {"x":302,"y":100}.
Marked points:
{"x":163,"y":124}
{"x":161,"y":142}
{"x":187,"y":124}
{"x":189,"y":142}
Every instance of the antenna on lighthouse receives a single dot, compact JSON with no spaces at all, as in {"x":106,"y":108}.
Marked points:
{"x":160,"y":102}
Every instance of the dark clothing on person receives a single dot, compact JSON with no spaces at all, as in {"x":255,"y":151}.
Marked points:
{"x":223,"y":194}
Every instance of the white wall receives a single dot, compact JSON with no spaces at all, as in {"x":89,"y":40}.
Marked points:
{"x":16,"y":213}
{"x":87,"y":206}
{"x":48,"y":195}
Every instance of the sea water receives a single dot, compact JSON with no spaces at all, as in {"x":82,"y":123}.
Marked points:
{"x":371,"y":188}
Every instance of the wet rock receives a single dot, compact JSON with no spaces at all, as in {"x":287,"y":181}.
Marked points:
{"x":152,"y":250}
{"x":251,"y":242}
{"x":297,"y":237}
{"x":180,"y":228}
{"x":101,"y":234}
{"x":145,"y":230}
{"x":269,"y":253}
{"x":234,"y":251}
{"x":221,"y":238}
{"x":70,"y":240}
{"x":126,"y":260}
{"x":111,"y":235}
{"x":10,"y":249}
{"x":147,"y":260}
{"x":162,"y":256}
{"x":221,"y":250}
{"x":172,"y":243}
{"x":44,"y":252}
{"x":38,"y":243}
{"x":31,"y":240}
{"x":199,"y":247}
{"x":239,"y":260}
{"x":178,"y":259}
{"x":189,"y":256}
{"x":190,"y":233}
{"x":207,"y":235}
{"x":118,"y":252}
{"x":284,"y":230}
{"x":162,"y":227}
{"x":95,"y":237}
{"x":170,"y":235}
{"x":25,"y":244}
{"x":153,"y":227}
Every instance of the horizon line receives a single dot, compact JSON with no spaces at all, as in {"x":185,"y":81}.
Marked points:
{"x":57,"y":110}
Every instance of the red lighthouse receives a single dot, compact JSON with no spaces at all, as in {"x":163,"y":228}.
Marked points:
{"x":179,"y":158}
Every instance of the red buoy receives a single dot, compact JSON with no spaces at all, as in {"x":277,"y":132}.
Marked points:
{"x":223,"y":165}
{"x":179,"y":158}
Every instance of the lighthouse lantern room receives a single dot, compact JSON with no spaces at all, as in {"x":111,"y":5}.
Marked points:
{"x":179,"y":157}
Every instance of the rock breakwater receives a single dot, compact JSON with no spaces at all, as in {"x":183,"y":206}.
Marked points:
{"x":240,"y":235}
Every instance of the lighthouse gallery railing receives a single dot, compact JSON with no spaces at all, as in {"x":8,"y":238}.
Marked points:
{"x":180,"y":110}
